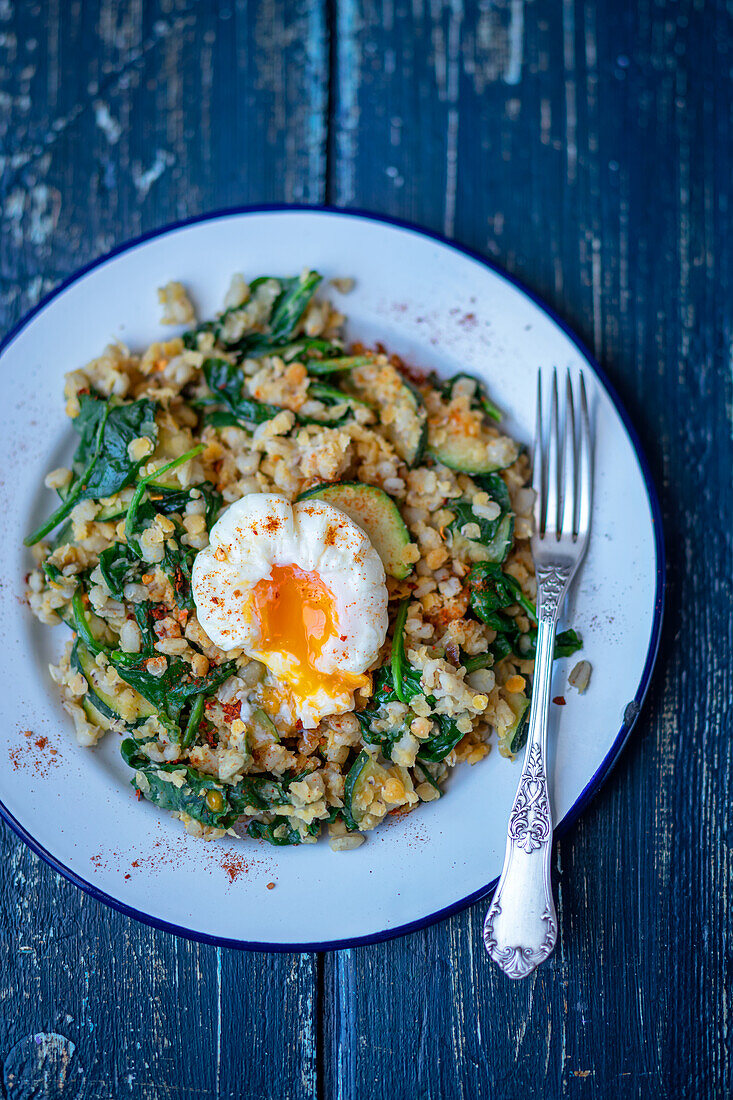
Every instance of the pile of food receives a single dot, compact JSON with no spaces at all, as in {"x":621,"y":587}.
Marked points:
{"x":297,"y":574}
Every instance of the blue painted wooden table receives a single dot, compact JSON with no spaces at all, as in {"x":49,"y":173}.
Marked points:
{"x":585,"y":145}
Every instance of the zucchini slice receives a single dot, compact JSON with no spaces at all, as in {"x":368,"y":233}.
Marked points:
{"x":398,"y":404}
{"x":466,"y":454}
{"x":263,"y":724}
{"x":377,"y":515}
{"x":460,"y":437}
{"x":364,"y":776}
{"x":132,"y":713}
{"x":94,"y":714}
{"x":514,"y":737}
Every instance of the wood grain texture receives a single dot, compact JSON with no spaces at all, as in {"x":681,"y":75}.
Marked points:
{"x":586,"y":146}
{"x":114,"y":118}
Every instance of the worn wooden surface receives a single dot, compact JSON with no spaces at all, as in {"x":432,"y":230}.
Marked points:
{"x":586,"y":146}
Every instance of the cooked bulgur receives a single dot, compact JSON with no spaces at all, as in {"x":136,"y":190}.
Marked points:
{"x":266,"y":398}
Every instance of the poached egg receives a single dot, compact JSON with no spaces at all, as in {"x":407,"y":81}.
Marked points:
{"x":300,"y":588}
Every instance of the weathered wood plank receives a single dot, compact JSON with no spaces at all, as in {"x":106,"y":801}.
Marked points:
{"x":587,"y":148}
{"x":114,"y":118}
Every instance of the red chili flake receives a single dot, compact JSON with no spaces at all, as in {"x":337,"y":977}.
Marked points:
{"x":210,"y":703}
{"x":232,"y":710}
{"x":128,"y":876}
{"x":41,"y":742}
{"x":560,"y":700}
{"x":136,"y":863}
{"x":271,"y":886}
{"x":159,"y":611}
{"x":138,"y":795}
{"x":234,"y":865}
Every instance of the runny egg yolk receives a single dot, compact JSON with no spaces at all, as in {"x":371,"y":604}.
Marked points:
{"x":297,"y":616}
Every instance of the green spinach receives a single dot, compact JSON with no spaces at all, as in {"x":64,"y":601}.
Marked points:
{"x":202,"y":796}
{"x":119,"y":565}
{"x":102,"y":465}
{"x":287,"y":310}
{"x":176,"y":687}
{"x":258,"y":830}
{"x":340,"y":363}
{"x":443,"y":741}
{"x":492,"y":591}
{"x":479,"y":399}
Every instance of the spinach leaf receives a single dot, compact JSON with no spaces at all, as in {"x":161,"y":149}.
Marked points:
{"x":53,"y":573}
{"x":202,"y":796}
{"x":427,"y":776}
{"x":170,"y":692}
{"x":144,"y":619}
{"x":119,"y":565}
{"x":309,"y":348}
{"x":403,"y":688}
{"x":465,"y":514}
{"x":338,"y":364}
{"x":519,"y":740}
{"x":177,"y":564}
{"x":495,"y":535}
{"x":492,"y":590}
{"x":120,"y":425}
{"x":480,"y":398}
{"x":170,"y":501}
{"x":567,"y":642}
{"x":437,"y":747}
{"x":287,"y":310}
{"x":258,"y":830}
{"x":225,"y":382}
{"x":101,"y":464}
{"x":496,"y":487}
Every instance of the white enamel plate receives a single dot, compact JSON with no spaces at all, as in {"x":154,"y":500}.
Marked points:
{"x":441,"y":308}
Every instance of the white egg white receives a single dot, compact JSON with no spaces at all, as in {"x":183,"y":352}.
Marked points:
{"x":263,"y":530}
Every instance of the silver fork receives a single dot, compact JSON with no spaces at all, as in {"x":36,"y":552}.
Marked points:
{"x":520,"y":929}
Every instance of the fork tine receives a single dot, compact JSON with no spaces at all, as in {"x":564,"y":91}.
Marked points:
{"x":585,"y":487}
{"x":538,"y":464}
{"x":570,"y":463}
{"x":553,"y":497}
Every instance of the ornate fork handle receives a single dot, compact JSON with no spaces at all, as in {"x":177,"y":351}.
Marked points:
{"x":520,"y":929}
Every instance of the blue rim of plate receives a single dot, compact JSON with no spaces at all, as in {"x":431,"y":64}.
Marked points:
{"x":632,"y":710}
